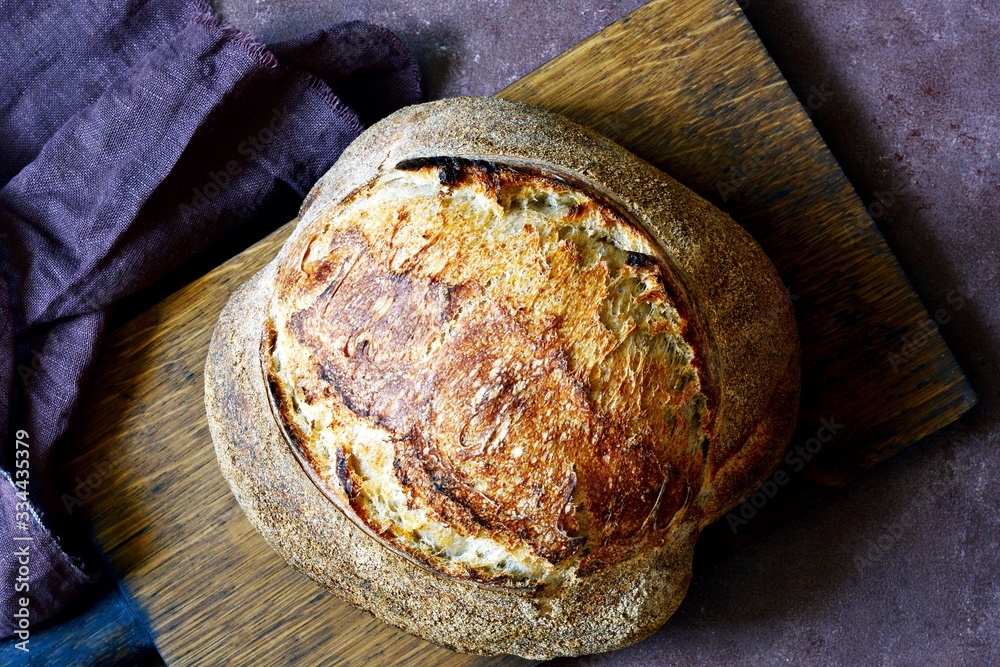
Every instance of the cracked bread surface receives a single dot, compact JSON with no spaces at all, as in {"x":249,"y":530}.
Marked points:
{"x":484,"y":366}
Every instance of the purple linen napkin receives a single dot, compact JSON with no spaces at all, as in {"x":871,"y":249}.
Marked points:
{"x":132,"y":136}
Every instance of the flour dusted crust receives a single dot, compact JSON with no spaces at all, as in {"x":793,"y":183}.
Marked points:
{"x":499,"y":378}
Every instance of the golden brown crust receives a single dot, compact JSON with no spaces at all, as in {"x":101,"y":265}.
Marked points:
{"x":670,"y":351}
{"x":521,"y":333}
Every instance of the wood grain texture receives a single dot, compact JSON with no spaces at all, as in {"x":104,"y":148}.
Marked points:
{"x":684,"y":84}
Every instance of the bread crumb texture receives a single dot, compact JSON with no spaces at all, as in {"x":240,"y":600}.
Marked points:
{"x":487,"y":369}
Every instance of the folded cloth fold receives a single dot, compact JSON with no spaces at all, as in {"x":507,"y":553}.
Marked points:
{"x":134,"y":135}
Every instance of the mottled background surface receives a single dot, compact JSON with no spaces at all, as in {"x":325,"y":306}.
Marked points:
{"x":902,"y":567}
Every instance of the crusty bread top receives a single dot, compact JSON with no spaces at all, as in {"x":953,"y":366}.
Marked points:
{"x":491,"y":370}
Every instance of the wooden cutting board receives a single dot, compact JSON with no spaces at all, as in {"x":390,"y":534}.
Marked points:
{"x":684,"y":84}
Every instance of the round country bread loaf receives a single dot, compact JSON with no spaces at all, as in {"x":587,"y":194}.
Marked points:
{"x":498,"y":379}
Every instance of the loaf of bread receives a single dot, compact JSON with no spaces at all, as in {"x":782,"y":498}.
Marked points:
{"x":498,"y":379}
